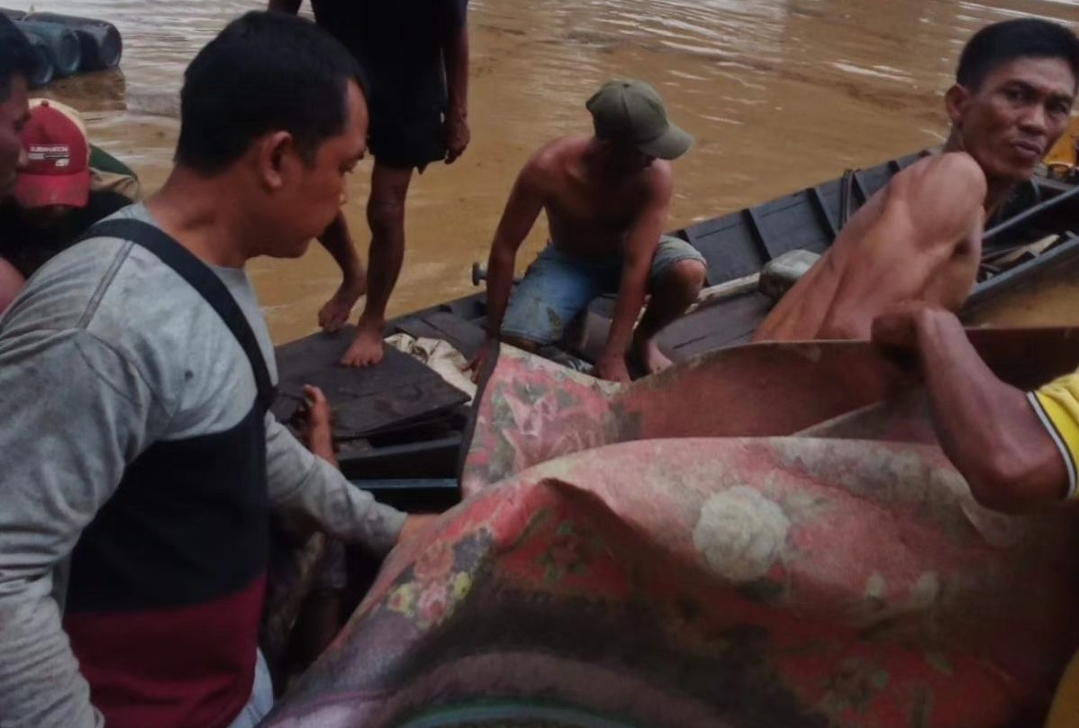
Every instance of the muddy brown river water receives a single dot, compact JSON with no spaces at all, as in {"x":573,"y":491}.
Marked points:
{"x":780,"y":94}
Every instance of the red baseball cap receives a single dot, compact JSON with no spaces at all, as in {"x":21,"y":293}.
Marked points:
{"x":58,"y":159}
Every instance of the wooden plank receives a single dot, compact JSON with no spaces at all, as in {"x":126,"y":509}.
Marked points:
{"x":799,"y":227}
{"x":464,"y":336}
{"x":381,"y":484}
{"x":1021,"y":274}
{"x":756,"y":229}
{"x":860,"y":188}
{"x":876,"y":178}
{"x":1066,"y":199}
{"x":714,"y":327}
{"x":732,"y":250}
{"x":433,"y":458}
{"x":469,"y":308}
{"x":416,"y":327}
{"x":825,"y":215}
{"x":419,"y":497}
{"x":397,"y":391}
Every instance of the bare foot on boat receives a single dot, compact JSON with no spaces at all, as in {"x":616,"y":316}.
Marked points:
{"x":650,"y":357}
{"x":337,"y":310}
{"x":367,"y":348}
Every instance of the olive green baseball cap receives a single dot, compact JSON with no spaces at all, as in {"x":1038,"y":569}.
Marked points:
{"x":629,"y":111}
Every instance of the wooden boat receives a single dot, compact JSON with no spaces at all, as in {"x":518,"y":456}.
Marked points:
{"x":400,"y":427}
{"x":673,"y":518}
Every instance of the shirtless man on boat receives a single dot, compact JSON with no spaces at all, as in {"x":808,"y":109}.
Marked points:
{"x":919,"y":238}
{"x":606,"y":198}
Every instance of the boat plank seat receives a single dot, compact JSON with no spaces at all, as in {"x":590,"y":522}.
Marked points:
{"x":714,"y":327}
{"x":397,"y":394}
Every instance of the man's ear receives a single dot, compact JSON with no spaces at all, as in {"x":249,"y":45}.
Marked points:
{"x":956,"y":101}
{"x":274,"y":157}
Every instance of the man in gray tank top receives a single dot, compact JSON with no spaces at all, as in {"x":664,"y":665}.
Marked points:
{"x":139,"y":370}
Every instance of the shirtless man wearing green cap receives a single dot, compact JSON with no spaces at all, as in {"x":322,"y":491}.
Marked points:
{"x":606,"y":198}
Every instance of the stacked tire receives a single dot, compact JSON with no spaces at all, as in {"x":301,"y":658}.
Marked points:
{"x":67,"y":44}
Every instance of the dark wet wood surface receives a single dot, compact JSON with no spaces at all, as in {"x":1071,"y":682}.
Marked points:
{"x":397,"y":393}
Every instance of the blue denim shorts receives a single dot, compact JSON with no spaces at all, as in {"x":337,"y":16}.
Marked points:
{"x":556,"y":288}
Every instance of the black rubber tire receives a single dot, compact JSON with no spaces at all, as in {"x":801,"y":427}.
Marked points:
{"x":63,"y":45}
{"x":44,"y":71}
{"x":102,"y":46}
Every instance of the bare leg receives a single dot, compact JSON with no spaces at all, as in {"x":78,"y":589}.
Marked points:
{"x":386,"y":216}
{"x":672,"y":295}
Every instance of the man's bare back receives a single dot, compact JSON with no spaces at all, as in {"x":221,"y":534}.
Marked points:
{"x":590,"y":213}
{"x":918,"y":239}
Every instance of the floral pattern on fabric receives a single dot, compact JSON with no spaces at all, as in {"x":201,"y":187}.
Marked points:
{"x":542,"y":412}
{"x":434,"y":589}
{"x":711,"y":582}
{"x":531,"y":410}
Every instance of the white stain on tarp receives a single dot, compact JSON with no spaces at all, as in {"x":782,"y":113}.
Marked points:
{"x":740,"y":533}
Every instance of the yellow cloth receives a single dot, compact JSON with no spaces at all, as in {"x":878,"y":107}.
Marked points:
{"x":1057,"y":405}
{"x":1065,"y":710}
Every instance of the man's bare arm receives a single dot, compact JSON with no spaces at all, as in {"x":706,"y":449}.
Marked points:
{"x":987,"y":428}
{"x":926,"y":217}
{"x":640,"y":248}
{"x":522,"y":208}
{"x":285,"y":6}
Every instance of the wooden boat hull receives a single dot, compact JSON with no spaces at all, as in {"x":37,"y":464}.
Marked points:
{"x":1036,"y":291}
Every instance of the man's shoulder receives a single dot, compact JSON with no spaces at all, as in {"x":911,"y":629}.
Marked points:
{"x":949,"y":168}
{"x":945,"y":193}
{"x":558,"y":153}
{"x":106,"y":285}
{"x":548,"y":166}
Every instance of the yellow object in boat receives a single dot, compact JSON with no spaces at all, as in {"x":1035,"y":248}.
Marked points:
{"x":1063,"y":156}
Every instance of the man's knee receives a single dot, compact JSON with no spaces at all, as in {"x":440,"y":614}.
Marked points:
{"x":686,"y":277}
{"x":386,"y":214}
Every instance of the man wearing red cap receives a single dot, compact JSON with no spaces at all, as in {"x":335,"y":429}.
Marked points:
{"x":55,"y":200}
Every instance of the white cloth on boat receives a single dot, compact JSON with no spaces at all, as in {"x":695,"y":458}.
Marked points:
{"x":440,"y":355}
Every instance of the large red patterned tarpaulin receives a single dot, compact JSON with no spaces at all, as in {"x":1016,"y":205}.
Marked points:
{"x":816,"y":580}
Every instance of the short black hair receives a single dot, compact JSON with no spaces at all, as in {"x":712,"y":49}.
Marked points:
{"x":1006,"y":41}
{"x":16,"y":56}
{"x":264,"y":72}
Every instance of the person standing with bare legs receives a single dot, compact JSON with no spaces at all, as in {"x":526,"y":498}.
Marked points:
{"x":415,"y":56}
